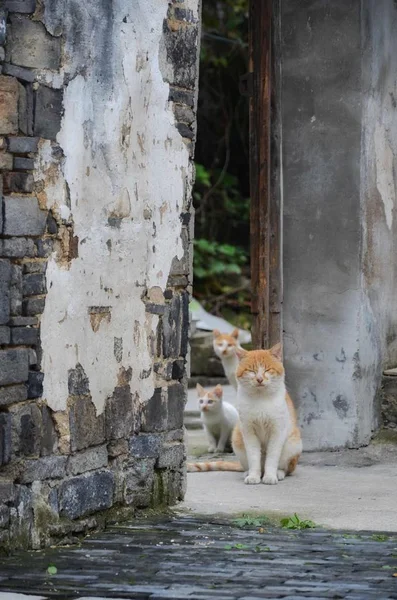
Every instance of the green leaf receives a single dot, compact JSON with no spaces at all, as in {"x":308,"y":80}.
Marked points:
{"x":52,"y":570}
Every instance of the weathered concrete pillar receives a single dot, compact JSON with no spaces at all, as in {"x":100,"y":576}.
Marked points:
{"x":339,"y":158}
{"x":97,"y":126}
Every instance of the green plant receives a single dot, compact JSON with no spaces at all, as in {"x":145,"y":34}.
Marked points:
{"x":246,"y":521}
{"x":379,"y":537}
{"x":52,"y":570}
{"x":296,"y":522}
{"x":212,"y":259}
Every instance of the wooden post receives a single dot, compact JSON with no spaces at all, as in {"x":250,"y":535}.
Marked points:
{"x":260,"y":167}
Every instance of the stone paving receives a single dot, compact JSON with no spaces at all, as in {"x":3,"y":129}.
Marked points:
{"x":187,"y":558}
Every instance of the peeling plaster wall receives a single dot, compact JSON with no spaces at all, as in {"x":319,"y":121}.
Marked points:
{"x":125,"y":166}
{"x":97,"y":131}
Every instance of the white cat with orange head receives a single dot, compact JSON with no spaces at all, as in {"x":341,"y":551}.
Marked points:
{"x":218,"y":417}
{"x":225,"y":346}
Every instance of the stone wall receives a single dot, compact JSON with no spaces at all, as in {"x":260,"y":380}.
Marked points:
{"x":97,"y":135}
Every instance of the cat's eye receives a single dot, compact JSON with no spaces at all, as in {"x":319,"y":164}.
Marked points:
{"x":230,"y":345}
{"x":210,"y":401}
{"x":201,"y":401}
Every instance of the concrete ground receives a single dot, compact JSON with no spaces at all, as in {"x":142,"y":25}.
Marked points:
{"x":349,"y":489}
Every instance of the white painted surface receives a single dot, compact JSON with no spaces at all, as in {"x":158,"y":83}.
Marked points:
{"x":123,"y":157}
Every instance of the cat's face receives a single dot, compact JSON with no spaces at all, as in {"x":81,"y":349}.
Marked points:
{"x":209,"y":401}
{"x":260,"y":370}
{"x":225,"y":345}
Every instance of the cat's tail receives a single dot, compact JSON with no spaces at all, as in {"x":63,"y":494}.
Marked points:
{"x":215,"y":465}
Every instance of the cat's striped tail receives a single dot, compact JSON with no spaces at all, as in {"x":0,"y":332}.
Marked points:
{"x":215,"y":465}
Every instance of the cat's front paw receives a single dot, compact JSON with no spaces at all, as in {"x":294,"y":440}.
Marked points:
{"x":211,"y":449}
{"x":252,"y":479}
{"x":269,"y":479}
{"x":220,"y":449}
{"x":280,"y":474}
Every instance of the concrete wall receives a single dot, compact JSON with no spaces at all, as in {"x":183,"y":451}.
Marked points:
{"x":338,"y":85}
{"x":97,"y":113}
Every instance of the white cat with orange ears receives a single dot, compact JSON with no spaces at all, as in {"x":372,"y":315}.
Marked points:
{"x":218,"y":417}
{"x":225,"y":346}
{"x":267,"y":439}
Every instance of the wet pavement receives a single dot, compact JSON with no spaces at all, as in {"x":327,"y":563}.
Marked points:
{"x":184,"y":557}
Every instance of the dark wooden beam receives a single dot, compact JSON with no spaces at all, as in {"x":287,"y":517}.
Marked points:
{"x":260,"y":166}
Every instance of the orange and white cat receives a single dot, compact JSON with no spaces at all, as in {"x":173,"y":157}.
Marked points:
{"x":266,"y":440}
{"x":225,"y":346}
{"x":218,"y":417}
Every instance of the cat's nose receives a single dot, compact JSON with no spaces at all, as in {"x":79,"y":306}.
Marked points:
{"x":259,"y":379}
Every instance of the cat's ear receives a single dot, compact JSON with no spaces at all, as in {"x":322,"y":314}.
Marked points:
{"x":218,"y":391}
{"x":235,"y":333}
{"x":200,"y":390}
{"x":277,"y":351}
{"x":241,"y":353}
{"x":216,"y":333}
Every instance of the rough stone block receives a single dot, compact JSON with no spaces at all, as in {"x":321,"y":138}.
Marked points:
{"x":78,"y":383}
{"x":19,"y":73}
{"x":18,"y":182}
{"x":34,"y":284}
{"x":178,"y":369}
{"x":25,"y":109}
{"x":5,"y":282}
{"x":49,"y":439}
{"x":33,"y":306}
{"x":181,"y":96}
{"x":27,"y":429}
{"x":119,"y":414}
{"x":44,"y":247}
{"x":138,"y":483}
{"x":48,"y":111}
{"x":181,"y":53}
{"x":86,"y":429}
{"x":154,"y":412}
{"x":183,"y":114}
{"x":16,"y":290}
{"x":184,"y":130}
{"x":145,"y":446}
{"x":34,"y":267}
{"x":30,"y":45}
{"x":4,"y":516}
{"x":20,"y":6}
{"x":3,"y":26}
{"x":9,"y":93}
{"x":177,"y":396}
{"x":185,"y":323}
{"x":5,"y":438}
{"x":14,"y":366}
{"x":171,"y":456}
{"x":24,"y":336}
{"x":86,"y":494}
{"x":23,"y":164}
{"x":117,"y":447}
{"x":23,"y":145}
{"x":17,"y":248}
{"x":171,"y":330}
{"x":6,"y":161}
{"x":88,"y":460}
{"x":23,"y":216}
{"x":7,"y":491}
{"x":35,"y":384}
{"x":5,"y":335}
{"x":23,"y":321}
{"x":48,"y":467}
{"x":12,"y":394}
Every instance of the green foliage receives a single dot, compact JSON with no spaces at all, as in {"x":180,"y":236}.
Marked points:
{"x":52,"y":570}
{"x":212,"y":259}
{"x":221,"y":190}
{"x":246,"y":521}
{"x":296,"y":522}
